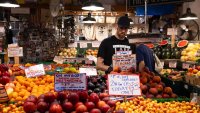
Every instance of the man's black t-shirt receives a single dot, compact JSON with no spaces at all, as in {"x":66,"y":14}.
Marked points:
{"x":110,"y":45}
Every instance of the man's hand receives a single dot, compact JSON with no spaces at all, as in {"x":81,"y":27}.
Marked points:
{"x":110,"y":68}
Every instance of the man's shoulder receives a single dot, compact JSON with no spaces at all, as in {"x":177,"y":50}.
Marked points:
{"x":108,"y":39}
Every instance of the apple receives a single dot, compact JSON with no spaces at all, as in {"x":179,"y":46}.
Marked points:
{"x":120,"y":111}
{"x":103,"y":95}
{"x":4,"y":80}
{"x":112,"y":103}
{"x":89,"y":105}
{"x":49,"y":97}
{"x":100,"y":104}
{"x":67,"y":106}
{"x":61,"y":96}
{"x":94,"y":98}
{"x":6,"y":73}
{"x":55,"y":108}
{"x":95,"y":110}
{"x":78,"y":104}
{"x":83,"y":96}
{"x":81,"y":109}
{"x":42,"y":107}
{"x":73,"y":98}
{"x":105,"y":108}
{"x":32,"y":98}
{"x":29,"y":107}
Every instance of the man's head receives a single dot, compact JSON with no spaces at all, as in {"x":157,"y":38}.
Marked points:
{"x":123,"y":24}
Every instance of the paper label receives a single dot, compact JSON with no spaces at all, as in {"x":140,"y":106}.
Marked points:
{"x":96,"y":44}
{"x":72,"y":45}
{"x":88,"y":71}
{"x":83,"y":45}
{"x":15,"y":52}
{"x":13,"y":45}
{"x":35,"y":71}
{"x":70,"y":82}
{"x":123,"y":52}
{"x":171,"y":31}
{"x":58,"y":59}
{"x":172,"y":64}
{"x":47,"y":67}
{"x":123,"y":84}
{"x":185,"y":65}
{"x":88,"y":62}
{"x":3,"y":94}
{"x":125,"y":62}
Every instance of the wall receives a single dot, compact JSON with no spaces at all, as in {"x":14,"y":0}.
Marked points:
{"x":195,"y":7}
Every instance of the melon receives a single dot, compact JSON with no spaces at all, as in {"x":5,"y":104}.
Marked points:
{"x":150,"y":45}
{"x":182,"y":43}
{"x":163,"y":42}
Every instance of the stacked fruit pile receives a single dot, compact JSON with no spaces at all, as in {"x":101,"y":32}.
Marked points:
{"x":12,"y":108}
{"x":152,"y":87}
{"x":31,"y":86}
{"x":189,"y":54}
{"x":79,"y":102}
{"x":4,"y":74}
{"x":16,"y":70}
{"x":141,"y":105}
{"x":68,"y":53}
{"x":96,"y":84}
{"x":92,"y":52}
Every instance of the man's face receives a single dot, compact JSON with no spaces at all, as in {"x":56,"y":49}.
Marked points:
{"x":122,"y":32}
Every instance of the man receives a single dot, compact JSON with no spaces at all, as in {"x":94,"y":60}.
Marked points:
{"x":112,"y":44}
{"x":145,"y":58}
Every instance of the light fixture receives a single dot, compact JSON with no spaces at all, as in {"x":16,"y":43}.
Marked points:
{"x":89,"y":19}
{"x":93,"y":6}
{"x":9,"y":3}
{"x":188,"y":15}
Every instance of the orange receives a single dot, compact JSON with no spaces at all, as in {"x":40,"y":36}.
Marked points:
{"x":14,"y":94}
{"x":29,"y":89}
{"x":19,"y":98}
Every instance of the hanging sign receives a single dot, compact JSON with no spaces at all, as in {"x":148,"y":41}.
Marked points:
{"x":89,"y":71}
{"x":125,"y":62}
{"x":123,"y":84}
{"x":15,"y":52}
{"x":3,"y":94}
{"x":35,"y":71}
{"x":83,"y":44}
{"x":70,"y":82}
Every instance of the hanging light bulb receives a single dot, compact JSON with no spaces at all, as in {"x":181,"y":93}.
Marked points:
{"x":9,"y":3}
{"x":93,"y":6}
{"x":188,"y":15}
{"x":89,"y":19}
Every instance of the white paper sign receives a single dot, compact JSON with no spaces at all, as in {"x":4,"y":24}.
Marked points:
{"x":58,"y":59}
{"x":172,"y":64}
{"x":83,"y":45}
{"x":185,"y":65}
{"x":15,"y":52}
{"x":72,"y":45}
{"x":89,"y":71}
{"x":96,"y":44}
{"x":123,"y":84}
{"x":13,"y":45}
{"x":70,"y":82}
{"x":35,"y":71}
{"x":171,"y":31}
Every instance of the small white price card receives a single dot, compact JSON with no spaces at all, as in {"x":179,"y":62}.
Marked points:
{"x":172,"y":64}
{"x":172,"y":31}
{"x":15,"y":52}
{"x":35,"y":71}
{"x":83,"y":44}
{"x":89,"y":71}
{"x":58,"y":59}
{"x":124,"y":84}
{"x":96,"y":44}
{"x":185,"y":65}
{"x":75,"y":81}
{"x":73,"y":45}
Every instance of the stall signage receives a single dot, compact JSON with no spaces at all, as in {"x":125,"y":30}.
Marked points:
{"x":73,"y":45}
{"x":185,"y":65}
{"x":35,"y":71}
{"x":172,"y":31}
{"x":83,"y":44}
{"x":124,"y":84}
{"x":15,"y":52}
{"x":96,"y":44}
{"x":125,"y":62}
{"x":58,"y":59}
{"x":75,"y":81}
{"x":89,"y":62}
{"x":3,"y":94}
{"x":172,"y":64}
{"x":47,"y":67}
{"x":89,"y":71}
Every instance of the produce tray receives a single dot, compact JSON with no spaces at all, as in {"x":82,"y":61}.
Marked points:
{"x":179,"y":99}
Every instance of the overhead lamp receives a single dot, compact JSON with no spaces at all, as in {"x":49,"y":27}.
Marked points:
{"x":93,"y":6}
{"x":188,"y":15}
{"x":9,"y":3}
{"x":89,"y":19}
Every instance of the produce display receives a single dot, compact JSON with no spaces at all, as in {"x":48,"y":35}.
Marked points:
{"x":190,"y":53}
{"x":68,"y":52}
{"x":141,"y":105}
{"x":16,"y":70}
{"x":96,"y":84}
{"x":172,"y":74}
{"x":5,"y":75}
{"x":91,"y":52}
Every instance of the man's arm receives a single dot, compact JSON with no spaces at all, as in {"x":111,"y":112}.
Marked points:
{"x":141,"y":66}
{"x":101,"y":65}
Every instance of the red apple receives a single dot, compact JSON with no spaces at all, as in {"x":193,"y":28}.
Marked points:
{"x":61,"y":96}
{"x":42,"y":107}
{"x":49,"y":97}
{"x":29,"y":107}
{"x":103,"y":95}
{"x":5,"y":80}
{"x":89,"y":105}
{"x":73,"y":98}
{"x":106,"y":99}
{"x":105,"y":108}
{"x":95,"y":110}
{"x":32,"y":98}
{"x":81,"y":109}
{"x":67,"y":106}
{"x":111,"y":103}
{"x":41,"y":96}
{"x":100,"y":104}
{"x":83,"y":96}
{"x":6,"y":73}
{"x":55,"y":108}
{"x":94,"y":98}
{"x":78,"y":104}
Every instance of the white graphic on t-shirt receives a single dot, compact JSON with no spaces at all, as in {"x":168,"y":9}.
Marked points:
{"x":122,"y":49}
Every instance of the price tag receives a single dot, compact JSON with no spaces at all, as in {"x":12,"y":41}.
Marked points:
{"x":123,"y":84}
{"x":88,"y":71}
{"x":172,"y":64}
{"x":35,"y":71}
{"x":47,"y":67}
{"x":72,"y":45}
{"x":186,"y":86}
{"x":58,"y":59}
{"x":70,"y":60}
{"x":172,"y":31}
{"x":3,"y":94}
{"x":83,"y":45}
{"x":15,"y":52}
{"x":185,"y":65}
{"x":70,"y":82}
{"x":79,"y":61}
{"x":96,"y":44}
{"x":88,"y":61}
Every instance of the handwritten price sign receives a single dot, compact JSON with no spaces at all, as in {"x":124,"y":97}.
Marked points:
{"x":70,"y":82}
{"x":15,"y":52}
{"x":123,"y":84}
{"x":35,"y":71}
